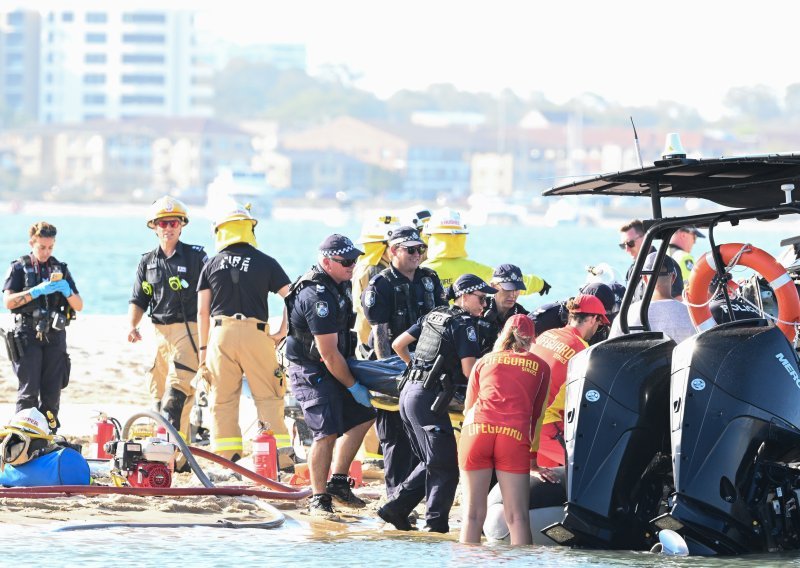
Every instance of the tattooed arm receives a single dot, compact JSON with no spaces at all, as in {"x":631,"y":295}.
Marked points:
{"x":14,"y":300}
{"x":383,"y":343}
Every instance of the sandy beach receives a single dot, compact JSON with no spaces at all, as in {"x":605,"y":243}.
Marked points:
{"x":108,"y":376}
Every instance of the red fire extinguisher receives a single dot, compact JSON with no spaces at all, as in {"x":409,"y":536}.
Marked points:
{"x":265,"y":453}
{"x":102,"y":432}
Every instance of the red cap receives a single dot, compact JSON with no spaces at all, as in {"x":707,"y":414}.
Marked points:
{"x":587,"y":304}
{"x":523,"y":324}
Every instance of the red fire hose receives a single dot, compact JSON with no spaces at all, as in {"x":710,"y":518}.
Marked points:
{"x":199,"y":452}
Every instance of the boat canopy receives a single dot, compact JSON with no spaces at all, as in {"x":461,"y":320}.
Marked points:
{"x":739,"y":182}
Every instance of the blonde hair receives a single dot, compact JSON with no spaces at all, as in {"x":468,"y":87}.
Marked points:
{"x":42,"y":229}
{"x":510,"y":339}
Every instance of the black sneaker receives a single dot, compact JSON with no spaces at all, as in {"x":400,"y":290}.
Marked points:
{"x":340,"y":490}
{"x":391,"y":516}
{"x":321,"y":507}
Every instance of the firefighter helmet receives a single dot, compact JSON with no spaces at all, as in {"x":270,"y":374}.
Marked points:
{"x":167,"y":207}
{"x":445,"y":221}
{"x":239,"y":213}
{"x":377,"y":230}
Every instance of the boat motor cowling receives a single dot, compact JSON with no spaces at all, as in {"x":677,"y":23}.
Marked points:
{"x":616,"y":428}
{"x":735,"y":421}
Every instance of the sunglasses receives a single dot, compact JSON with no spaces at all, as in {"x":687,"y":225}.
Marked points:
{"x":345,"y":262}
{"x":627,"y":244}
{"x":165,"y":224}
{"x":418,"y":249}
{"x":481,"y":297}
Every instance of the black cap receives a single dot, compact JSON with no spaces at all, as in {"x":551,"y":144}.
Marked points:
{"x":509,"y":277}
{"x":404,"y":236}
{"x":467,"y":283}
{"x":693,"y":230}
{"x":668,"y":267}
{"x":339,"y":245}
{"x":602,"y":292}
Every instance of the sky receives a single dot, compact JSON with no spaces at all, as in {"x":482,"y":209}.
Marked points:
{"x":630,"y":52}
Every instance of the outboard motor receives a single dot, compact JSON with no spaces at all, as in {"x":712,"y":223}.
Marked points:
{"x":617,"y":436}
{"x":735,"y":416}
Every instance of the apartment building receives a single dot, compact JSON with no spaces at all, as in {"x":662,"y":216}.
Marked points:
{"x":120,"y":64}
{"x":19,"y":66}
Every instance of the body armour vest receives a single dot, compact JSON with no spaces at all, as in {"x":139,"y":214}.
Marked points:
{"x":434,"y":341}
{"x":405,"y":309}
{"x":42,"y":304}
{"x":345,"y":318}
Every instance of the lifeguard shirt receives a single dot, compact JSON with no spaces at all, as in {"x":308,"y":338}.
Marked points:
{"x":509,"y":389}
{"x":557,"y":347}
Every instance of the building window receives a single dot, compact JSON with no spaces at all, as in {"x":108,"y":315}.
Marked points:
{"x":16,"y":18}
{"x":142,"y":79}
{"x":67,"y":17}
{"x":13,"y":99}
{"x":95,"y":37}
{"x":13,"y":80}
{"x":144,"y":18}
{"x":14,"y":39}
{"x":48,"y":98}
{"x":143,"y":38}
{"x":142,"y":58}
{"x":142,"y":100}
{"x":94,"y":99}
{"x":13,"y":59}
{"x":94,"y":79}
{"x":87,"y":117}
{"x":95,"y":58}
{"x":96,"y":17}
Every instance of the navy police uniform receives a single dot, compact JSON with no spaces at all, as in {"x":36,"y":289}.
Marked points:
{"x":556,"y":315}
{"x":492,"y":322}
{"x":448,"y":332}
{"x":44,"y":367}
{"x":240,"y":278}
{"x":394,"y":300}
{"x":168,"y":288}
{"x":317,"y":305}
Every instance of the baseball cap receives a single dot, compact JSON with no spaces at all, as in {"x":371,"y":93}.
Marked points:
{"x":523,"y":324}
{"x":509,"y":277}
{"x":405,"y":235}
{"x":468,"y":283}
{"x":693,"y":230}
{"x":339,"y":245}
{"x":667,"y":268}
{"x":587,"y":304}
{"x":604,"y":293}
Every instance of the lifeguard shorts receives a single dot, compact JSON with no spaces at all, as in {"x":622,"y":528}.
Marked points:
{"x":486,"y":446}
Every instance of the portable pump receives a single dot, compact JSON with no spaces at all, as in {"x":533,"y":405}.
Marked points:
{"x":145,"y":462}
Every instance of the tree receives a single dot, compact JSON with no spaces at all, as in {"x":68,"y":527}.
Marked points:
{"x":758,"y":102}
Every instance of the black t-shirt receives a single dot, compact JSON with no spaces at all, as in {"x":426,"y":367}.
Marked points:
{"x":156,"y":269}
{"x":258,"y":275}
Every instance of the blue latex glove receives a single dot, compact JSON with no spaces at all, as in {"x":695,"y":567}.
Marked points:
{"x":361,"y":394}
{"x":63,"y":287}
{"x":43,"y":289}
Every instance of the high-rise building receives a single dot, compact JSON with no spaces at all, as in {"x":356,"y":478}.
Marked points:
{"x":19,"y":65}
{"x":110,"y":64}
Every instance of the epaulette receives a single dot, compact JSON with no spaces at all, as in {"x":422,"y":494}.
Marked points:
{"x":375,"y":278}
{"x":198,"y":248}
{"x":428,"y":271}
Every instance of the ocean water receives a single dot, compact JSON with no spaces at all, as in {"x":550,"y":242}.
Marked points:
{"x":103,"y":253}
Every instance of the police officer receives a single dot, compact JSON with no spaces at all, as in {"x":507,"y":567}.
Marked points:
{"x":680,"y":249}
{"x":235,"y":336}
{"x":508,"y":280}
{"x":166,"y":283}
{"x":394,"y":300}
{"x":334,"y":404}
{"x":447,"y":348}
{"x":41,"y":293}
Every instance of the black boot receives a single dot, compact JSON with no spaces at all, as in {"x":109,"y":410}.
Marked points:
{"x":172,"y":407}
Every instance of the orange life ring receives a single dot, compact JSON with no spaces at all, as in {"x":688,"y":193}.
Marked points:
{"x":760,"y":261}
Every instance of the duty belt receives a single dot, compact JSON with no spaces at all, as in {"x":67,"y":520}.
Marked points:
{"x":260,"y":326}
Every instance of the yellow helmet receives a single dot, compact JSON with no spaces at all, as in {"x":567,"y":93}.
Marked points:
{"x":167,"y":207}
{"x":377,"y":230}
{"x":445,"y":221}
{"x":240,"y":213}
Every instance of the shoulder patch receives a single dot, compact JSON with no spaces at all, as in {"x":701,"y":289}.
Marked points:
{"x":427,"y":283}
{"x":369,"y":298}
{"x":322,"y":309}
{"x":471,"y":334}
{"x":197,"y":247}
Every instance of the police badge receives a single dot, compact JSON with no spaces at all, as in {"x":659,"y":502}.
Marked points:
{"x":369,"y":298}
{"x":428,"y":284}
{"x":322,"y":309}
{"x":471,"y":335}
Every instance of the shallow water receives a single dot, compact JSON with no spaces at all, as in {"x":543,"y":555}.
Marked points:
{"x":299,"y":545}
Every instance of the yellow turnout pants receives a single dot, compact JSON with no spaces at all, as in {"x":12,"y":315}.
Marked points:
{"x":237,"y":347}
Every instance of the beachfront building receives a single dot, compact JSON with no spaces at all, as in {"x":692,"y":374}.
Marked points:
{"x":19,"y":66}
{"x":118,"y":64}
